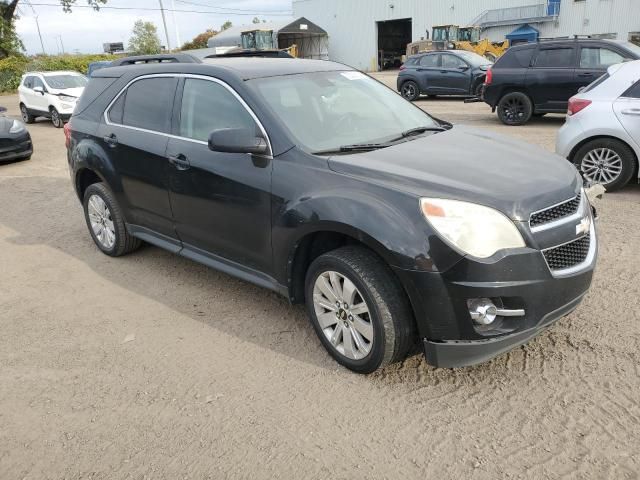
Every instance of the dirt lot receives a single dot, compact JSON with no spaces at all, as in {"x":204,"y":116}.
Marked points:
{"x":152,"y":366}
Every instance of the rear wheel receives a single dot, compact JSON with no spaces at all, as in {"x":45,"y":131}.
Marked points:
{"x":26,"y":116}
{"x":358,"y":309}
{"x":606,"y":161}
{"x":106,"y":222}
{"x":410,"y":90}
{"x":515,"y":108}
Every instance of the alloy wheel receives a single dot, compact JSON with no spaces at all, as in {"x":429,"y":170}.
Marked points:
{"x":514,"y":109}
{"x":25,"y":114}
{"x":101,"y":222}
{"x":343,"y":315}
{"x":55,"y":118}
{"x":409,"y":91}
{"x":601,"y":165}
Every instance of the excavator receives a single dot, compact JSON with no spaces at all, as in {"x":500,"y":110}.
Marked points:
{"x":262,"y":41}
{"x":452,"y":37}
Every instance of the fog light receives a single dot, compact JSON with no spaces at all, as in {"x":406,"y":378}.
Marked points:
{"x":482,"y":310}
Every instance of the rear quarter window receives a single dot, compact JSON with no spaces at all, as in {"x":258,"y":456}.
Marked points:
{"x":517,"y":58}
{"x":633,"y":92}
{"x":92,"y":91}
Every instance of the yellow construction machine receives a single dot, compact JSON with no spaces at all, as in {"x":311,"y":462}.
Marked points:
{"x":263,"y":40}
{"x":452,"y":37}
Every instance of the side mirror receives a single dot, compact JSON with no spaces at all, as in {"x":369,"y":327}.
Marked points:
{"x":39,"y":90}
{"x":463,"y":68}
{"x":237,"y":140}
{"x":582,"y":89}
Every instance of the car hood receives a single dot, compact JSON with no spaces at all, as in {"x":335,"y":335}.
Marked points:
{"x":465,"y":164}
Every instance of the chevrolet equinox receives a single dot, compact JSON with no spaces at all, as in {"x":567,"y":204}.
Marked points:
{"x":398,"y":231}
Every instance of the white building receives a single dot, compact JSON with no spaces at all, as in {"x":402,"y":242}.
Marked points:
{"x":359,"y":29}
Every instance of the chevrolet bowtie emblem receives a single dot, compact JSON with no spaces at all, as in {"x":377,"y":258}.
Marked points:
{"x":583,"y":227}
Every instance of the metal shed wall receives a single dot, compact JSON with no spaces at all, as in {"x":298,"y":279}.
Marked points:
{"x":352,"y":28}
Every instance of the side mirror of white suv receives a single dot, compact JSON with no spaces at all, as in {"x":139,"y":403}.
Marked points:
{"x":39,"y":90}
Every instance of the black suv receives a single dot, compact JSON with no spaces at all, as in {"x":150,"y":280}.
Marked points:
{"x":538,"y":78}
{"x":320,"y":183}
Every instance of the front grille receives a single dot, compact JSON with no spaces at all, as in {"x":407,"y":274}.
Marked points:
{"x":555,"y":213}
{"x":568,"y":255}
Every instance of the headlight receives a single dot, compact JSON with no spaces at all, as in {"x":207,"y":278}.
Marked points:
{"x":17,"y":127}
{"x":67,"y":98}
{"x":476,"y":230}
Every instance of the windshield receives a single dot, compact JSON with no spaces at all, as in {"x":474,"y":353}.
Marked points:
{"x":62,"y":82}
{"x":326,"y":110}
{"x":631,"y":46}
{"x":473,"y":58}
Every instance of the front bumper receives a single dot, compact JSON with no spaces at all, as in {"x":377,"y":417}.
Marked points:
{"x":16,"y":149}
{"x":518,"y":279}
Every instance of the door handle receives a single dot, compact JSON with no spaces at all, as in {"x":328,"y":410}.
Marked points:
{"x":444,"y":71}
{"x":585,"y":74}
{"x":180,"y":162}
{"x":632,"y":111}
{"x":111,"y":140}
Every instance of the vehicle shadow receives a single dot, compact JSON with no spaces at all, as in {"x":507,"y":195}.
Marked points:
{"x":215,"y":299}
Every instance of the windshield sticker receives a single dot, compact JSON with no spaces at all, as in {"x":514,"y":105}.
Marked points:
{"x":353,"y":75}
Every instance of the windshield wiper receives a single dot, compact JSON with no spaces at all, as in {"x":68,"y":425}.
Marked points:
{"x":356,"y":147}
{"x":419,"y":130}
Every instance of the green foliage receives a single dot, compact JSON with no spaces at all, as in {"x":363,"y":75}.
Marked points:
{"x":67,"y":4}
{"x":145,"y":39}
{"x":10,"y":43}
{"x":226,"y":25}
{"x":199,"y":41}
{"x":12,"y":68}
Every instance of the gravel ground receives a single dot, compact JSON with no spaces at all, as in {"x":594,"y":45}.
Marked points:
{"x":152,"y":366}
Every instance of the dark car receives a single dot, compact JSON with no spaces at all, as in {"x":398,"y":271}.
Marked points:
{"x":15,"y":141}
{"x":538,"y":78}
{"x":94,"y":66}
{"x":320,"y":183}
{"x":452,"y":72}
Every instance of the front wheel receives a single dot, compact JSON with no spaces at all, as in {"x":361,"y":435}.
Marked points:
{"x":358,"y":309}
{"x":606,"y":161}
{"x":410,"y":90}
{"x":56,"y":119}
{"x":515,"y":108}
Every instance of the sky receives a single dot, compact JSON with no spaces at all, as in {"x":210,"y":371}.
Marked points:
{"x":85,"y":30}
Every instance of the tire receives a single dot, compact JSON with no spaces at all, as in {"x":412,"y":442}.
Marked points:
{"x":515,"y":109}
{"x":410,"y":90}
{"x":120,"y":242}
{"x":607,"y":161}
{"x":388,"y":322}
{"x":56,"y":119}
{"x":26,"y":116}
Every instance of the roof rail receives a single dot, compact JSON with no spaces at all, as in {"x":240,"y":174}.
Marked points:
{"x":161,"y":58}
{"x":574,"y":37}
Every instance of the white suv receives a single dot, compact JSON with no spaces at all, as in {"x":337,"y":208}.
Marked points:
{"x":50,"y":94}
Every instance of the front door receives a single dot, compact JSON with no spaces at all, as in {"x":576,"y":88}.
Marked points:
{"x":135,"y":137}
{"x":593,"y":63}
{"x":221,"y":202}
{"x":39,"y":101}
{"x":454,"y":77}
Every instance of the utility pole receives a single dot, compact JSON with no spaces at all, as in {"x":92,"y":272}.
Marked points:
{"x":61,"y":44}
{"x":164,"y":22}
{"x":175,"y":23}
{"x":40,"y":35}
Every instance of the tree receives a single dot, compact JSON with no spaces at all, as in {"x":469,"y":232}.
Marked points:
{"x":10,"y":44}
{"x":199,"y":41}
{"x":144,"y":40}
{"x":226,"y":25}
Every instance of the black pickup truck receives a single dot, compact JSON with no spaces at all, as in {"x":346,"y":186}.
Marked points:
{"x":537,"y":78}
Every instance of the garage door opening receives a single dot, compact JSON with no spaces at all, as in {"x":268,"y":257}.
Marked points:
{"x":393,"y":38}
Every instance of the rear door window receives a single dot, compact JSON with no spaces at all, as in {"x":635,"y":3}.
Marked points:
{"x":429,"y":61}
{"x":208,"y":106}
{"x":598,"y":57}
{"x":633,"y":92}
{"x":555,"y":58}
{"x":148,"y":104}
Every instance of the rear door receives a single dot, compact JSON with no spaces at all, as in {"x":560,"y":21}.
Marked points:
{"x":221,"y":202}
{"x":135,"y":135}
{"x":454,"y":75}
{"x":593,"y":63}
{"x":627,"y":109}
{"x":427,"y":70}
{"x":550,"y":80}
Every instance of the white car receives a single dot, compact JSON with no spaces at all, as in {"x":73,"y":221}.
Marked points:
{"x":50,"y":94}
{"x":602,"y":133}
